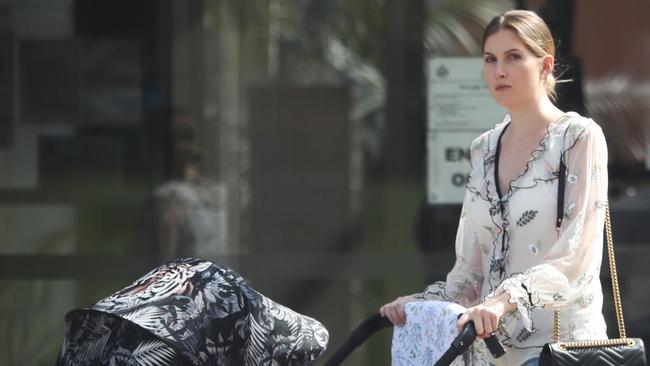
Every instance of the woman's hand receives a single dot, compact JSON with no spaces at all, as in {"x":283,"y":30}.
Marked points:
{"x":394,"y":311}
{"x":486,"y":316}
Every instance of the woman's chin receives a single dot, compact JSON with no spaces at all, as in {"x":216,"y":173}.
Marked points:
{"x":503,"y":101}
{"x":510,"y":101}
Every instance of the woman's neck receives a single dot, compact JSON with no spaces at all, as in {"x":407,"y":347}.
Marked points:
{"x":533,"y":117}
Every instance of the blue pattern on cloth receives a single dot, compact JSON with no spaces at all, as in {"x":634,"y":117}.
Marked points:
{"x":428,"y":332}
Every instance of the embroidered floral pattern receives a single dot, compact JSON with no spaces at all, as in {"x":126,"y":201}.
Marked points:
{"x":572,"y":178}
{"x":534,"y":248}
{"x":523,"y":335}
{"x":526,"y":217}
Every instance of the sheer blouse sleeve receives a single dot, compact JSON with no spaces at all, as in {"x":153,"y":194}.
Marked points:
{"x":463,"y":283}
{"x":574,"y":260}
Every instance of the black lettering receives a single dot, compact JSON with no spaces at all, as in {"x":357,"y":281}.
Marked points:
{"x":464,"y":154}
{"x":449,"y":154}
{"x":459,"y":179}
{"x":456,"y":154}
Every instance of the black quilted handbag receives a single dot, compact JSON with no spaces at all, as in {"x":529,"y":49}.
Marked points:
{"x":630,"y":354}
{"x":619,"y":351}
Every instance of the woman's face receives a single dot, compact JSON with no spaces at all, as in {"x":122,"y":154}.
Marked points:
{"x":512,"y":72}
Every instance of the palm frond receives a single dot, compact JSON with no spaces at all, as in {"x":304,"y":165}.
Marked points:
{"x":153,"y":353}
{"x":93,"y":349}
{"x":256,"y":347}
{"x":148,"y":317}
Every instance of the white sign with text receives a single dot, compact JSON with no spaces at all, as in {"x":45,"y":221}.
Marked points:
{"x":460,"y":107}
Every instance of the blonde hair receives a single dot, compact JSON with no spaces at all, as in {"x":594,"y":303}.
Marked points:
{"x":533,"y":33}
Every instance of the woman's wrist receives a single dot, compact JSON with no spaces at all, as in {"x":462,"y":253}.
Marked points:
{"x":502,"y":302}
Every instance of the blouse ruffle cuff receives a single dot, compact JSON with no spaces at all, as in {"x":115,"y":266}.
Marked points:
{"x":435,"y":291}
{"x":520,"y":292}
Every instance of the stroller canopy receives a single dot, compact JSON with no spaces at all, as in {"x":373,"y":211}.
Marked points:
{"x":190,"y":312}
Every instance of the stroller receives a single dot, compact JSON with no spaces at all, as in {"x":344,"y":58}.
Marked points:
{"x":193,"y":312}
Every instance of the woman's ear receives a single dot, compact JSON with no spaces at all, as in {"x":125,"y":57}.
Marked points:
{"x":548,"y":63}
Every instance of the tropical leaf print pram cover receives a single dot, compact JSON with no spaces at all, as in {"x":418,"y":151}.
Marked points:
{"x":190,"y":312}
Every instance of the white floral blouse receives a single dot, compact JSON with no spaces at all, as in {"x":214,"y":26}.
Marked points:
{"x":509,"y":243}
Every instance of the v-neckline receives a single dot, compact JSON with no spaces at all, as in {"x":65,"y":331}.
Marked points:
{"x":528,"y":161}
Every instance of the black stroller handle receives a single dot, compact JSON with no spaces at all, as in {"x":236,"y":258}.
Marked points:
{"x":462,"y":342}
{"x":368,"y":327}
{"x":376,"y":322}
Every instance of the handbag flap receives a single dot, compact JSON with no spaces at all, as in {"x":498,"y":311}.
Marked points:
{"x":554,"y":354}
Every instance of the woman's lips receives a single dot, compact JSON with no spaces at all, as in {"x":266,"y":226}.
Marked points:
{"x":501,"y":87}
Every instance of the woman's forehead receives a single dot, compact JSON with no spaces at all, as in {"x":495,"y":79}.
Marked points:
{"x":503,"y":41}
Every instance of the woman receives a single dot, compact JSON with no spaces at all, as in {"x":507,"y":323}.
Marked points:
{"x":513,"y":269}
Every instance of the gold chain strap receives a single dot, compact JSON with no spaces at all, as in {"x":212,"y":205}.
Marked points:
{"x":616,"y":294}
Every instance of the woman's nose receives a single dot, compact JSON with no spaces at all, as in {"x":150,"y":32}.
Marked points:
{"x":501,"y":72}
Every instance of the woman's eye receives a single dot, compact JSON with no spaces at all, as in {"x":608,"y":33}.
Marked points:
{"x":513,"y":56}
{"x":488,"y":59}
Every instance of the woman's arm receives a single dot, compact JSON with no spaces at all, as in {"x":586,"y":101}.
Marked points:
{"x":463,"y":282}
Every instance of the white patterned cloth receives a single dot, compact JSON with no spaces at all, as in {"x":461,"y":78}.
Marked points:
{"x":429,"y":330}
